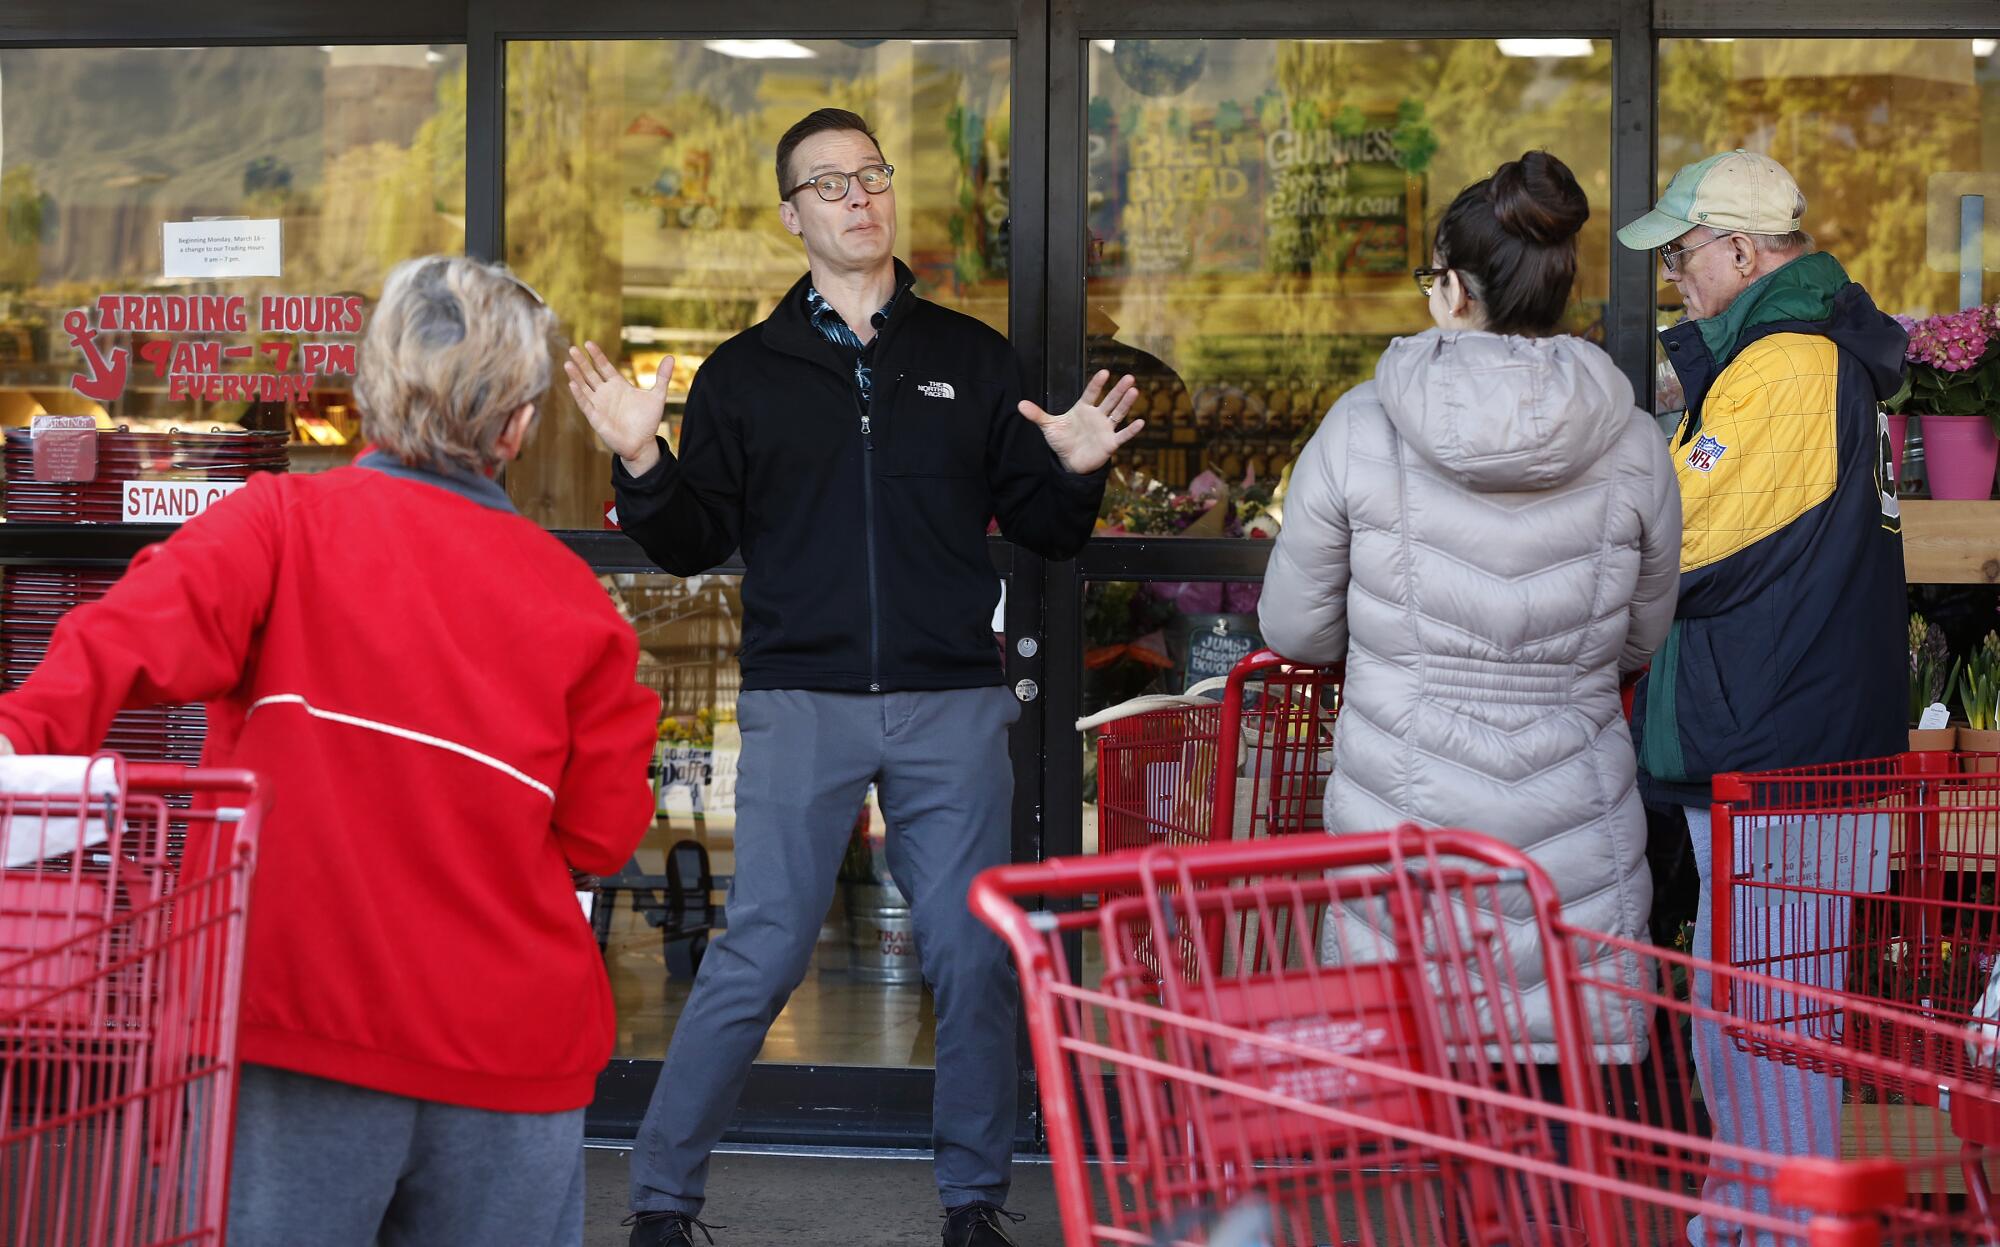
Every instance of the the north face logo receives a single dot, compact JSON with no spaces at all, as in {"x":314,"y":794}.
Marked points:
{"x":937,"y":389}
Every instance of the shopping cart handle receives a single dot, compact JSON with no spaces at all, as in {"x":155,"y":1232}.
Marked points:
{"x":157,"y":777}
{"x":1262,"y":660}
{"x":1282,"y":855}
{"x":246,"y":799}
{"x":1842,"y":1188}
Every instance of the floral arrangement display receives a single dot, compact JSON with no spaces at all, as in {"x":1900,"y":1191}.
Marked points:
{"x":1953,"y":364}
{"x":1139,"y":505}
{"x":697,"y":729}
{"x":1930,"y":676}
{"x":1951,"y":382}
{"x":1979,"y":686}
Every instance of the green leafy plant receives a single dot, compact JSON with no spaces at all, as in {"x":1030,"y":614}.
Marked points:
{"x":1979,"y":686}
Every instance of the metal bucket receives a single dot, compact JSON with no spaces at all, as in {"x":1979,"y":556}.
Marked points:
{"x":881,"y":939}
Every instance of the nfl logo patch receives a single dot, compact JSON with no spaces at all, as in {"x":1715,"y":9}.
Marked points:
{"x":1705,"y":454}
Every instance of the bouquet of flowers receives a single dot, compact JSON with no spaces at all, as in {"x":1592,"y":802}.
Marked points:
{"x":1138,"y":504}
{"x":1953,"y":365}
{"x":697,"y":729}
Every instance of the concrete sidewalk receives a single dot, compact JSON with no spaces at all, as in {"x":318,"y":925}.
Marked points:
{"x":767,"y":1200}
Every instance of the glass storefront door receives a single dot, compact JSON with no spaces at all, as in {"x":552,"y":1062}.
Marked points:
{"x":1254,"y":208}
{"x":640,"y":199}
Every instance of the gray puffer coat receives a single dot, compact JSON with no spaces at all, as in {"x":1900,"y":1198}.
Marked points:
{"x":1489,"y":534}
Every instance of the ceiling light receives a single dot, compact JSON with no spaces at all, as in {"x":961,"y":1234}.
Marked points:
{"x":761,"y":49}
{"x":1537,"y":48}
{"x":1985,"y":47}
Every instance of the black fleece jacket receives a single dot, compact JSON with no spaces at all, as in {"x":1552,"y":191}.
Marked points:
{"x":863,"y":531}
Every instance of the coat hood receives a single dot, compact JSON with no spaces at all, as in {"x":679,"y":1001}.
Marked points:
{"x":1499,"y":413}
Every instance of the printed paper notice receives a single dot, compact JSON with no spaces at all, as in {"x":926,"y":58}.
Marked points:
{"x":222,"y":248}
{"x":173,"y":502}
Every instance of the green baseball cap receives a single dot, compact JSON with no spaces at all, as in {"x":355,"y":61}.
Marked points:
{"x":1736,"y":192}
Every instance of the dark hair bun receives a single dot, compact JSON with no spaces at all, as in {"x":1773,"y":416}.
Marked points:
{"x":1537,"y":200}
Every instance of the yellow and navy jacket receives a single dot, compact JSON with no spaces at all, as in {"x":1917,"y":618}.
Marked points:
{"x":1789,"y":644}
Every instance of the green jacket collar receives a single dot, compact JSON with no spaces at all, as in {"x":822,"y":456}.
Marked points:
{"x":1802,"y":290}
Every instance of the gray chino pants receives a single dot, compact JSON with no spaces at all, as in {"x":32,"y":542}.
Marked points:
{"x":939,"y":763}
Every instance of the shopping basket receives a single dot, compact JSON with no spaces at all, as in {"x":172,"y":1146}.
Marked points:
{"x":1395,"y":1090}
{"x":1873,"y":880}
{"x":1162,"y":777}
{"x":122,"y":908}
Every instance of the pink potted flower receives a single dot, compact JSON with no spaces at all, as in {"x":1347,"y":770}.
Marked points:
{"x":1952,"y":384}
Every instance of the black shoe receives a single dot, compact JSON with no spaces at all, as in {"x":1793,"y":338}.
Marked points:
{"x":667,"y":1229}
{"x":978,"y":1225}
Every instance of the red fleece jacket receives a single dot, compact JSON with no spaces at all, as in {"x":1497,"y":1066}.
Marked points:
{"x":442,"y":700}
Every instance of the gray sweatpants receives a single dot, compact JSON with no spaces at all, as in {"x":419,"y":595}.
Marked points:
{"x":1756,"y":1102}
{"x":939,"y":764}
{"x":326,"y":1164}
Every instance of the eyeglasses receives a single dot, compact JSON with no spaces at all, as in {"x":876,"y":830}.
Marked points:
{"x":1670,"y":255}
{"x":832,"y":187}
{"x":1427,"y":279}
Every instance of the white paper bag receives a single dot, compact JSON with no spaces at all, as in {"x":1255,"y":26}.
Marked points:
{"x":31,"y":835}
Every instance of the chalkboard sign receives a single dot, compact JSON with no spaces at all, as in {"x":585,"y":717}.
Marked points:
{"x":1214,"y":644}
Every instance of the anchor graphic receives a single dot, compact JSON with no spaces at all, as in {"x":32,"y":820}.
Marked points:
{"x":107,"y":376}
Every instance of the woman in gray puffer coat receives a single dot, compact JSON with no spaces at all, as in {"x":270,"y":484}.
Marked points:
{"x":1489,"y":534}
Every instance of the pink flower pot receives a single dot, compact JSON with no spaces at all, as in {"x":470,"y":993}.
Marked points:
{"x":1899,"y":432}
{"x":1959,"y":456}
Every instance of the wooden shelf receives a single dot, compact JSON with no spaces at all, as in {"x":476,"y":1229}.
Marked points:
{"x":1951,"y":543}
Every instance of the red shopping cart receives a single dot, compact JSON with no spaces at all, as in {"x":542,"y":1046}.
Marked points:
{"x":1359,"y":1062}
{"x":1873,"y":880}
{"x":1162,"y":777}
{"x":122,"y":906}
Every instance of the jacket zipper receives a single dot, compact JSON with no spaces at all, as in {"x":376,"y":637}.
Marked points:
{"x":868,"y":530}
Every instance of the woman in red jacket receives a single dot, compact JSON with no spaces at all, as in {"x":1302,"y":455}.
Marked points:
{"x":442,"y":699}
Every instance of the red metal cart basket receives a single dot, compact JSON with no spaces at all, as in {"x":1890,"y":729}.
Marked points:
{"x":1162,"y":778}
{"x":1377,"y":1078}
{"x":122,"y":914}
{"x":1875,"y":880}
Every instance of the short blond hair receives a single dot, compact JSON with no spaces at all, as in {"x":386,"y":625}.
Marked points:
{"x":455,"y":347}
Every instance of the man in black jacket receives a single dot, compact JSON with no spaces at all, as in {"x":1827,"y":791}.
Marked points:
{"x":854,"y":446}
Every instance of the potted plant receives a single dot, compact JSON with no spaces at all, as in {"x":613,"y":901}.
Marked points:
{"x":1951,"y":382}
{"x":1881,"y":1117}
{"x":1930,"y":681}
{"x":1979,"y":699}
